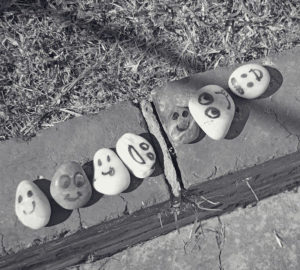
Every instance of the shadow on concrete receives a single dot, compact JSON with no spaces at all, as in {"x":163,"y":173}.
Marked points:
{"x":58,"y":214}
{"x":242,"y":111}
{"x":88,"y":168}
{"x":276,"y":80}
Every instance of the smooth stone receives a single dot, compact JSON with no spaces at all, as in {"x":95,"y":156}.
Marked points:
{"x":213,"y":109}
{"x":137,"y":154}
{"x":32,"y":207}
{"x":111,"y":177}
{"x":172,"y":107}
{"x":249,"y":81}
{"x":181,"y":126}
{"x":70,"y":187}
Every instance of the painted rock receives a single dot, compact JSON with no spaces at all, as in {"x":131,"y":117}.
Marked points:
{"x":111,"y":177}
{"x":171,"y":103}
{"x":70,"y":187}
{"x":137,"y":154}
{"x":213,"y":109}
{"x":31,"y":205}
{"x":249,"y":81}
{"x":181,"y":127}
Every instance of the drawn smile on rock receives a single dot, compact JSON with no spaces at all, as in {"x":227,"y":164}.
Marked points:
{"x":111,"y":172}
{"x":69,"y":198}
{"x":30,"y":212}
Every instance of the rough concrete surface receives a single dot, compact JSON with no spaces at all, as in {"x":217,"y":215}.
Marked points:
{"x":263,"y":237}
{"x":264,"y":128}
{"x":77,"y":139}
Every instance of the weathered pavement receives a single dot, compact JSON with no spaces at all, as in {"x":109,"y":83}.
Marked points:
{"x":266,"y":236}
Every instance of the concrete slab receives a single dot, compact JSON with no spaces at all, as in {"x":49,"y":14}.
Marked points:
{"x":263,"y":129}
{"x":77,"y":139}
{"x":263,"y":237}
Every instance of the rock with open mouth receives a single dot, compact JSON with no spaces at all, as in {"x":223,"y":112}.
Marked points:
{"x":111,"y":177}
{"x":137,"y":154}
{"x":31,"y":205}
{"x":249,"y":81}
{"x":70,"y":187}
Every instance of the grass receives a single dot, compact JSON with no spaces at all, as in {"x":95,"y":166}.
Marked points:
{"x":64,"y":58}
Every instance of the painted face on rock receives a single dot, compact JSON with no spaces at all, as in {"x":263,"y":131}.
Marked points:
{"x":31,"y":205}
{"x":181,"y":126}
{"x":111,"y":177}
{"x":70,"y":186}
{"x":213,"y":109}
{"x":249,"y":81}
{"x":137,"y":154}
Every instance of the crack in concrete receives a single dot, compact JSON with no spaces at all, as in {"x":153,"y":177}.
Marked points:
{"x":220,"y":239}
{"x":80,"y":221}
{"x":2,"y":245}
{"x":125,"y":212}
{"x":287,"y":130}
{"x":170,"y":165}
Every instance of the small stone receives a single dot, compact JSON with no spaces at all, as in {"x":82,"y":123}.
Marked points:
{"x":181,"y":126}
{"x":31,"y":205}
{"x":70,"y":187}
{"x":111,"y":177}
{"x":213,"y":109}
{"x":137,"y":154}
{"x":249,"y":81}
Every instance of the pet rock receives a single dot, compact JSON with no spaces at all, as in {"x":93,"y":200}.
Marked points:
{"x":181,"y":127}
{"x":70,"y":187}
{"x":249,"y":81}
{"x":171,"y":102}
{"x":213,"y":109}
{"x":111,"y":177}
{"x":31,"y":205}
{"x":137,"y":154}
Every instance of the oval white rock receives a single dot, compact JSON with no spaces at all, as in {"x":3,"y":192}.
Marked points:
{"x":111,"y":177}
{"x":32,"y":207}
{"x":249,"y":81}
{"x":213,"y":109}
{"x":137,"y":154}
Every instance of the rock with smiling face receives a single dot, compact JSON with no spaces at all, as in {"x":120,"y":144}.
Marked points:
{"x":111,"y":177}
{"x":70,"y":187}
{"x":213,"y":109}
{"x":31,"y":205}
{"x":171,"y":103}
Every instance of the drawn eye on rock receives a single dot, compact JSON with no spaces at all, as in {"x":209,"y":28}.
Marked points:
{"x":212,"y":112}
{"x":175,"y":116}
{"x":205,"y":98}
{"x":108,"y":158}
{"x":64,"y":181}
{"x":79,"y":180}
{"x":20,"y":199}
{"x":29,"y":193}
{"x":185,"y":114}
{"x":99,"y":162}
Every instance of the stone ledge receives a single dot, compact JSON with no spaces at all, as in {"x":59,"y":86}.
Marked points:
{"x":77,"y":139}
{"x":263,"y":128}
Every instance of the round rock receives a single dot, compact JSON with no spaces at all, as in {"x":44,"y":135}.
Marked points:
{"x":70,"y":187}
{"x":31,"y":205}
{"x":213,"y":109}
{"x":111,"y":177}
{"x":249,"y":81}
{"x":137,"y":154}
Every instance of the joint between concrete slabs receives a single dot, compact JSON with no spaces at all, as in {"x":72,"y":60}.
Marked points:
{"x":154,"y":127}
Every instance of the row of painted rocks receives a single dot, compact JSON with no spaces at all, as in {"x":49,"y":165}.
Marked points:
{"x":70,"y":187}
{"x":211,"y":108}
